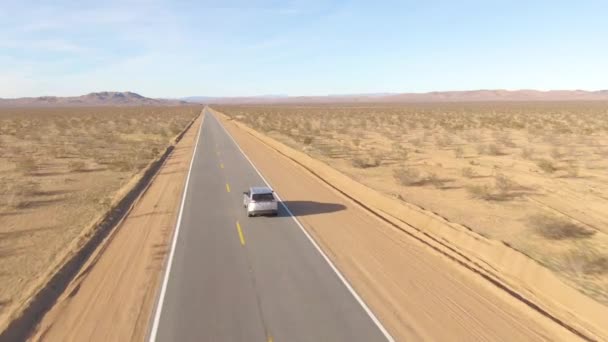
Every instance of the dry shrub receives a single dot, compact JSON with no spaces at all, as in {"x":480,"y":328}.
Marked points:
{"x":557,"y":228}
{"x":495,"y":150}
{"x":407,"y":176}
{"x":400,"y":151}
{"x":121,"y":164}
{"x":505,"y":139}
{"x":155,"y":152}
{"x":546,"y":165}
{"x":556,"y":153}
{"x":434,"y":180}
{"x":27,"y":165}
{"x":596,"y":265}
{"x":77,"y":165}
{"x":585,"y":262}
{"x":366,"y":162}
{"x":444,"y":140}
{"x":8,"y":198}
{"x":459,"y":152}
{"x":504,"y":184}
{"x":481,"y":191}
{"x":468,"y":172}
{"x":572,"y":170}
{"x":500,"y":191}
{"x":527,"y":153}
{"x":416,"y":142}
{"x":307,"y":140}
{"x":29,"y":188}
{"x":19,"y":196}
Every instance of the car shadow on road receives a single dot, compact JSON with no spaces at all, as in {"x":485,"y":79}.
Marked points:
{"x":308,"y":208}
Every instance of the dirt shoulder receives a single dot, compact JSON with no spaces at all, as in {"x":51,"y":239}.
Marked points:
{"x":113,"y":296}
{"x":409,"y":282}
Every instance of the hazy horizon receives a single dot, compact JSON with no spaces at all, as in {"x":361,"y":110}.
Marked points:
{"x":313,"y":48}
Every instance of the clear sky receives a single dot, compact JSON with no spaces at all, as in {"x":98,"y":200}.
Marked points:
{"x":310,"y":47}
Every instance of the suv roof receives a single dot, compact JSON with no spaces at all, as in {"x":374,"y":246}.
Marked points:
{"x":261,"y":190}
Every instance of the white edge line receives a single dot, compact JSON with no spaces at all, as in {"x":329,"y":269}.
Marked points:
{"x":314,"y":243}
{"x":163,"y":290}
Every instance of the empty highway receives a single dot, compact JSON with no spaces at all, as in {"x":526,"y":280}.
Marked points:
{"x":234,"y":278}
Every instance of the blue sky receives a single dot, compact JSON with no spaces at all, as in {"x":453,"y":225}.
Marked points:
{"x":231,"y":48}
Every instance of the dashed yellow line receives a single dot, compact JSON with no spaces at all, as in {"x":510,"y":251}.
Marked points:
{"x":221,"y":165}
{"x":227,"y":187}
{"x":269,"y":338}
{"x":241,"y":236}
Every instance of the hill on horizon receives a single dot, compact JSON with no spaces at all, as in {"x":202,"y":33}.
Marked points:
{"x":104,"y":98}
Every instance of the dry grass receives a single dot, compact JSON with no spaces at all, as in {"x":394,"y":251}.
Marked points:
{"x":60,"y":168}
{"x":489,"y":166}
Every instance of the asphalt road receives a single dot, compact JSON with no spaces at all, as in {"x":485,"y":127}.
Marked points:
{"x":234,"y":278}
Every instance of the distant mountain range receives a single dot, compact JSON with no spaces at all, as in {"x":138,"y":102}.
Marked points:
{"x":106,"y":98}
{"x":437,"y":96}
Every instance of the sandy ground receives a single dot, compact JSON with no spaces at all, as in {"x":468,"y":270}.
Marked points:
{"x":113,"y":296}
{"x":407,"y":285}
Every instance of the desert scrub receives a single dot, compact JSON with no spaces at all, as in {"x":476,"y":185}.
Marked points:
{"x":307,"y":140}
{"x":400,"y":152}
{"x":77,"y":166}
{"x":585,"y":262}
{"x":527,"y":153}
{"x":572,"y":170}
{"x":556,"y":153}
{"x":557,"y":228}
{"x":459,"y":152}
{"x":501,"y":190}
{"x":365,"y":162}
{"x":27,"y":165}
{"x":495,"y":150}
{"x":546,"y":166}
{"x":433,"y":179}
{"x":468,"y":172}
{"x":407,"y":176}
{"x":504,"y":184}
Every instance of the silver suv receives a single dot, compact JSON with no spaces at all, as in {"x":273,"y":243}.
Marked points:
{"x":260,"y":200}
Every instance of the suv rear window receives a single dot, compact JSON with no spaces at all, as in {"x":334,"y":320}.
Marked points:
{"x":262,"y":197}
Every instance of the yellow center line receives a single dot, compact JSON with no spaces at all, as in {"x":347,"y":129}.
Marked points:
{"x":227,"y":187}
{"x":269,"y":338}
{"x":221,"y":165}
{"x":241,"y":236}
